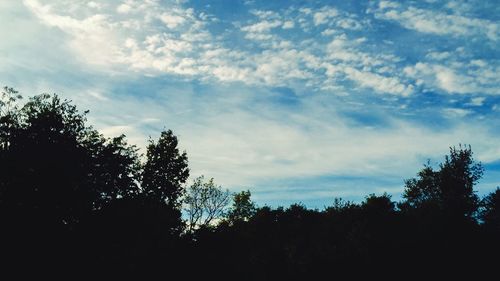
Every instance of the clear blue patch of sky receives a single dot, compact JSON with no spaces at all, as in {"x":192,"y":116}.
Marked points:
{"x":324,"y":189}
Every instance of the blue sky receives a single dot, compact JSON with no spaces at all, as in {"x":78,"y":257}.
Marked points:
{"x":298,"y":101}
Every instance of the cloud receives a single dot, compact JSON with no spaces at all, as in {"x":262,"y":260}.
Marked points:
{"x":244,"y":141}
{"x":113,"y":131}
{"x":170,"y":38}
{"x":288,"y":24}
{"x":123,"y":8}
{"x":477,"y":101}
{"x":457,"y":77}
{"x":439,"y":23}
{"x":379,"y":83}
{"x":187,"y":48}
{"x":324,"y":14}
{"x":94,"y":5}
{"x":438,"y":56}
{"x":88,"y":35}
{"x":172,"y":20}
{"x":260,"y":27}
{"x":98,"y":95}
{"x":347,"y":94}
{"x":456,"y":112}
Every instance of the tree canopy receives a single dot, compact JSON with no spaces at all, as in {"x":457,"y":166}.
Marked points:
{"x":205,"y":202}
{"x":448,"y":190}
{"x":165,"y":170}
{"x":73,"y":201}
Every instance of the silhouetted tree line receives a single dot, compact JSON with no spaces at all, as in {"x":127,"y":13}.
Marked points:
{"x":75,"y":204}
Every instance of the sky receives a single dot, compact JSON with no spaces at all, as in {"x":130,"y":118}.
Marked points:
{"x":297,"y":101}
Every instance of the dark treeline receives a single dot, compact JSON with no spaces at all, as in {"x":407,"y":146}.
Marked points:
{"x":75,"y":204}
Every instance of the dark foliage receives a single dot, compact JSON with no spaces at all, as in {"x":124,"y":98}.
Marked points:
{"x":490,"y":211}
{"x":165,"y":170}
{"x":76,"y":204}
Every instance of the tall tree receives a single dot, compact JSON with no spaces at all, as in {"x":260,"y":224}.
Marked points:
{"x":45,"y":163}
{"x":450,"y":189}
{"x":56,"y":174}
{"x":56,"y":165}
{"x":116,"y":167}
{"x":165,"y":170}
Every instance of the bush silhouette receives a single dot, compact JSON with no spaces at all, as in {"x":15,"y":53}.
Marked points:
{"x":75,"y":203}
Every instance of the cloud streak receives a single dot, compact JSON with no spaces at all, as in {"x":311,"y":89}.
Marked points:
{"x":439,"y":23}
{"x":290,"y":100}
{"x":182,"y":45}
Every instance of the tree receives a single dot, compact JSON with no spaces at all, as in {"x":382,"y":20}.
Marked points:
{"x":116,"y":167}
{"x":8,"y":99}
{"x":205,"y":202}
{"x":242,"y":208}
{"x":490,"y":211}
{"x":165,"y":170}
{"x":44,"y":164}
{"x":8,"y":114}
{"x":57,"y":166}
{"x":448,"y":190}
{"x":56,"y":174}
{"x":378,"y":205}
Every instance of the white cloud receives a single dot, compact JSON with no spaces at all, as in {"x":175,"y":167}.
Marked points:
{"x":94,"y":5}
{"x":457,"y":77}
{"x":261,"y":149}
{"x":358,"y":66}
{"x":238,"y":139}
{"x":456,"y":112}
{"x":328,"y":32}
{"x":112,"y":43}
{"x":438,"y":55}
{"x":379,"y":83}
{"x":242,"y":146}
{"x":98,"y":95}
{"x":171,"y":20}
{"x":263,"y":26}
{"x":439,"y":23}
{"x":123,"y":8}
{"x":265,"y":14}
{"x":477,"y":101}
{"x":306,"y":11}
{"x":184,"y":46}
{"x":388,"y":4}
{"x":113,"y":131}
{"x":348,"y":23}
{"x":92,"y":37}
{"x":324,"y":14}
{"x":259,"y":36}
{"x":288,"y":24}
{"x":449,"y":81}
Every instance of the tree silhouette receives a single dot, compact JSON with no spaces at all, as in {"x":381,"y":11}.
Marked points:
{"x":490,"y":211}
{"x":75,"y":202}
{"x":449,"y":190}
{"x":165,"y":170}
{"x":242,"y":208}
{"x":116,"y":167}
{"x":45,"y":164}
{"x":205,"y":202}
{"x":8,"y":114}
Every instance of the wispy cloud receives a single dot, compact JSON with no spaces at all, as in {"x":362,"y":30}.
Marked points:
{"x":469,"y":77}
{"x":187,"y":48}
{"x":440,"y":23}
{"x":287,"y":98}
